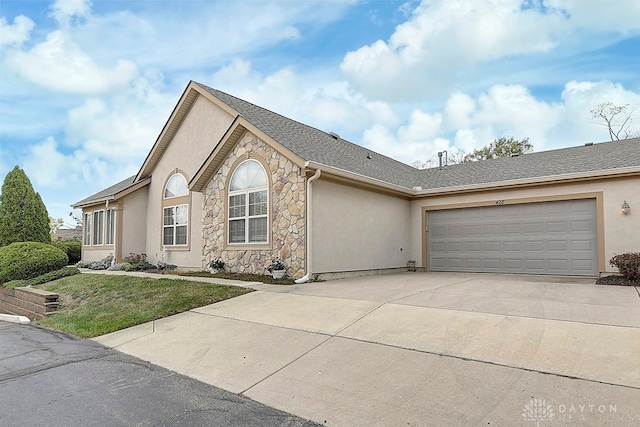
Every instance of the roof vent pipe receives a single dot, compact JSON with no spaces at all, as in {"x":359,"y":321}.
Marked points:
{"x":334,"y":135}
{"x":446,"y":160}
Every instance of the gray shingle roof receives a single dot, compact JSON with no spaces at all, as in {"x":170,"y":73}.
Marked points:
{"x":596,"y":157}
{"x":107,"y":192}
{"x":312,"y":144}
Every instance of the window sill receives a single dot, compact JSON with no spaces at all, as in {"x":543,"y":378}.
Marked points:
{"x":247,"y":246}
{"x":181,"y":248}
{"x":97,"y":247}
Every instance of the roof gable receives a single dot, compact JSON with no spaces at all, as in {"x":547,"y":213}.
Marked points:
{"x":314,"y":145}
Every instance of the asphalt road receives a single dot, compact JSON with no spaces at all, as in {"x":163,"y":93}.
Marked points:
{"x":52,"y":379}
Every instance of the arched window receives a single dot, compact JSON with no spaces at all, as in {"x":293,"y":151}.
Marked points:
{"x":248,"y":204}
{"x":175,"y":211}
{"x":176,"y":186}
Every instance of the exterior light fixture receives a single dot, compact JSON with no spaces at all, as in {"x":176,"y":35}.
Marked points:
{"x":625,"y":208}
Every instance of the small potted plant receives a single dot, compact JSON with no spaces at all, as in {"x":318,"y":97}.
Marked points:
{"x":216,"y":265}
{"x":277,"y":269}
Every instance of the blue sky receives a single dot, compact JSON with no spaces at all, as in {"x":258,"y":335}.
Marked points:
{"x":85,"y":87}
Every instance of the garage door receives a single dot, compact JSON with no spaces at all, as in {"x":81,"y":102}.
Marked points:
{"x":533,"y":238}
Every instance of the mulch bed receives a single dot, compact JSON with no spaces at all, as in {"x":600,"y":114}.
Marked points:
{"x":617,"y":281}
{"x":246,"y":277}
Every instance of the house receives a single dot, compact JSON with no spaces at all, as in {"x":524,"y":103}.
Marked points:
{"x":229,"y":179}
{"x":68,"y":234}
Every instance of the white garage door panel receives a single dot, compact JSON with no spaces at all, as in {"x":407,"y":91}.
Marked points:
{"x":536,"y":238}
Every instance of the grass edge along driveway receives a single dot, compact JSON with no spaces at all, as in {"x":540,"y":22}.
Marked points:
{"x":94,"y":305}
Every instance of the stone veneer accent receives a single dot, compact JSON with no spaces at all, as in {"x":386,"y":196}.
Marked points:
{"x":287,"y":216}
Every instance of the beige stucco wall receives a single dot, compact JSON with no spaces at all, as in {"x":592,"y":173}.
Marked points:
{"x":355,"y":229}
{"x":132,"y":223}
{"x":621,"y":232}
{"x":96,"y":253}
{"x":201,"y":130}
{"x":287,"y":214}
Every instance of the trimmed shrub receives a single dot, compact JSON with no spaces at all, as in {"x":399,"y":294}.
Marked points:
{"x":48,"y":277}
{"x":121,"y":266}
{"x":72,"y":248}
{"x":103,"y":264}
{"x":135,"y":258}
{"x":83,"y":264}
{"x":141,"y":266}
{"x":627,"y":264}
{"x":26,"y":260}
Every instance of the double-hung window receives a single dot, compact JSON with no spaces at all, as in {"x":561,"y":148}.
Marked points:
{"x":248,"y":204}
{"x":111,"y":227}
{"x":98,"y":227}
{"x":87,"y":229}
{"x":175,"y":225}
{"x":175,"y":212}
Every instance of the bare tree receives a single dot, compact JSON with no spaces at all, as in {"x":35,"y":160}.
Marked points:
{"x":616,"y":118}
{"x":76,"y":216}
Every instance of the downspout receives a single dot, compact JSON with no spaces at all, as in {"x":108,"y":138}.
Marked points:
{"x":106,"y":213}
{"x":307,"y":277}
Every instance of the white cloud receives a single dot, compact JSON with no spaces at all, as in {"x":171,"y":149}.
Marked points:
{"x":445,"y":38}
{"x":121,"y":128}
{"x":468,"y":122}
{"x":16,"y":33}
{"x":64,"y":11}
{"x":326,"y":104}
{"x":421,"y":126}
{"x":46,"y":166}
{"x":600,"y":16}
{"x":58,"y":64}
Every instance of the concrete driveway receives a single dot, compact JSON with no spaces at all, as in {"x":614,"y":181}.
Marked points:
{"x":415,"y":349}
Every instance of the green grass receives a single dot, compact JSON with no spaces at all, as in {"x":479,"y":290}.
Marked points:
{"x":93,"y":305}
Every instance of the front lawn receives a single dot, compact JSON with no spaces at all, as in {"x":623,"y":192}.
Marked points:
{"x":93,"y":305}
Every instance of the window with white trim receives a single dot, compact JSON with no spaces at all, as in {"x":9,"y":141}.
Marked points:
{"x":87,"y":229}
{"x":176,"y":186}
{"x":248,"y":204}
{"x":98,"y":227}
{"x":175,"y":212}
{"x":111,"y":227}
{"x":175,"y":225}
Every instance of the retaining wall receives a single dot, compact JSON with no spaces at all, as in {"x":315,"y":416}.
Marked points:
{"x":30,"y":302}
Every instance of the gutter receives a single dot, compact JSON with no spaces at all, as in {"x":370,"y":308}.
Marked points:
{"x":418,"y":192}
{"x":307,"y":277}
{"x":576,"y":176}
{"x":94,"y":202}
{"x":361,"y":178}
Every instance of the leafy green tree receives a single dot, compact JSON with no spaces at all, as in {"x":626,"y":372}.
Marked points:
{"x":23,"y":216}
{"x":501,"y":147}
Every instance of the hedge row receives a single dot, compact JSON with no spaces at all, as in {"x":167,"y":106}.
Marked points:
{"x":26,"y":260}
